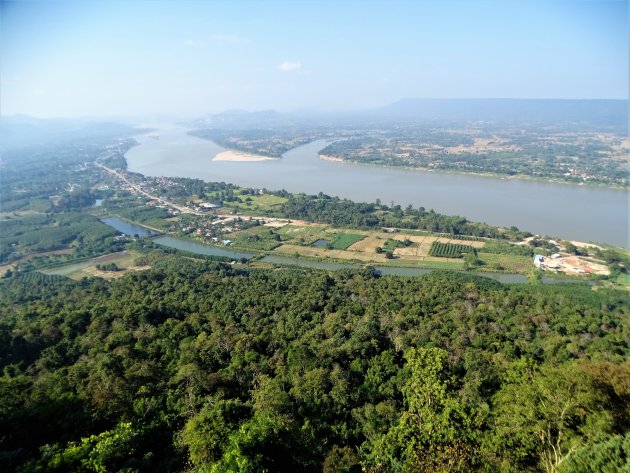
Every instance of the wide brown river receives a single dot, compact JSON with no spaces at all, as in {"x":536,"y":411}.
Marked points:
{"x":559,"y":210}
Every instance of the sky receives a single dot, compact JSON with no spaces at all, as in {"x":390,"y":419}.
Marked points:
{"x":191,"y":58}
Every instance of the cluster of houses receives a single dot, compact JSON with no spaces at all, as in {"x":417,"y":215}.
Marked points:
{"x":215,"y":229}
{"x":171,"y":211}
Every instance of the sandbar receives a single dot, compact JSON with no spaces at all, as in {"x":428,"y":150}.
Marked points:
{"x":231,"y":155}
{"x":327,"y":157}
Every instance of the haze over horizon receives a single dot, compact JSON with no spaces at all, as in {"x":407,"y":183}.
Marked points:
{"x":74,"y":59}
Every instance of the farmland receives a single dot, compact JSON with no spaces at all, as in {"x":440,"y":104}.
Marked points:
{"x":449,"y":250}
{"x":405,"y":249}
{"x":344,"y":240}
{"x":363,"y":247}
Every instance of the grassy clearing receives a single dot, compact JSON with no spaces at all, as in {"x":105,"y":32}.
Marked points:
{"x":404,"y":231}
{"x":425,"y":263}
{"x":510,"y":263}
{"x":256,"y":203}
{"x":303,"y":235}
{"x":255,"y":238}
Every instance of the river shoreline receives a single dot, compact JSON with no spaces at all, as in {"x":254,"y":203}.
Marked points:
{"x":493,"y":175}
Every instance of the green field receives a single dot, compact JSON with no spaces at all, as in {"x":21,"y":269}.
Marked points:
{"x":343,"y":240}
{"x":428,"y":264}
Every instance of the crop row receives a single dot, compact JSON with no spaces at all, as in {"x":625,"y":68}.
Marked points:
{"x":449,"y":250}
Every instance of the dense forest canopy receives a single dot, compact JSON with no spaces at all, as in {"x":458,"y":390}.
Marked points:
{"x":199,"y":366}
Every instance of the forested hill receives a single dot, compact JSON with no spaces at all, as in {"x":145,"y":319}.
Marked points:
{"x":192,"y":366}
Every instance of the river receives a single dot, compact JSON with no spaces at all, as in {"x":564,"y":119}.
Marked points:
{"x":559,"y":210}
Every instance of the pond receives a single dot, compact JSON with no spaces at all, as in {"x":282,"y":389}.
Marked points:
{"x":128,"y":228}
{"x":200,"y":249}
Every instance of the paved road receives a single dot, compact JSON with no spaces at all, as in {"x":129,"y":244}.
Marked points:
{"x":134,"y":187}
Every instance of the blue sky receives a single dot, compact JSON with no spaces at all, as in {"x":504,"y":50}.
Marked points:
{"x":191,"y":58}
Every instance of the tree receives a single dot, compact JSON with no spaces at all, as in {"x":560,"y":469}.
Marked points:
{"x":571,"y":248}
{"x":342,"y":460}
{"x":610,"y":455}
{"x":263,"y":444}
{"x":107,"y":451}
{"x":206,"y":434}
{"x":544,"y":414}
{"x":433,"y":433}
{"x":471,"y":260}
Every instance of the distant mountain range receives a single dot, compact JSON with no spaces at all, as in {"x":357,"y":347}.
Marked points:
{"x":602,"y":112}
{"x":589,"y":113}
{"x":19,"y":130}
{"x":244,"y":119}
{"x":23,"y":130}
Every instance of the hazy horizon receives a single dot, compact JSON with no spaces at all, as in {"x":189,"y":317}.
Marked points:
{"x":306,"y":111}
{"x":187,"y":59}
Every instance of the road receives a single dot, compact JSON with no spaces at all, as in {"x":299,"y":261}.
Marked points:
{"x":139,"y":190}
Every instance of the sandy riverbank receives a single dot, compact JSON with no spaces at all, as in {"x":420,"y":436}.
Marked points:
{"x":241,"y":156}
{"x":327,"y":157}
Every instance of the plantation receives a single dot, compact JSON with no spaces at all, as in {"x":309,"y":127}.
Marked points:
{"x":449,"y":250}
{"x":39,"y":233}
